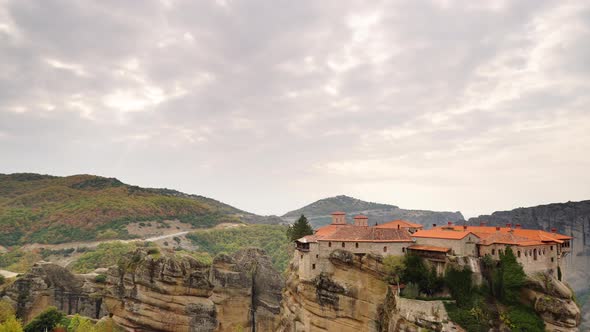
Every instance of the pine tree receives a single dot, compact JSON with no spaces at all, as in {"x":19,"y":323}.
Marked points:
{"x":299,"y":229}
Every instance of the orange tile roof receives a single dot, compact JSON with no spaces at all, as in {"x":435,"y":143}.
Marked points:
{"x":401,"y":223}
{"x":429,"y":248}
{"x":358,"y":234}
{"x":338,"y":213}
{"x":507,"y":235}
{"x":360,"y":216}
{"x":438,"y":233}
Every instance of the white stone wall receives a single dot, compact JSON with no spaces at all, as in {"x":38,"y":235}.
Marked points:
{"x":526,"y":256}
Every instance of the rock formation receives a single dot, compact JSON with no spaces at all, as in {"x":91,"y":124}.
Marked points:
{"x":354,"y":297}
{"x":161,"y":292}
{"x":48,"y":284}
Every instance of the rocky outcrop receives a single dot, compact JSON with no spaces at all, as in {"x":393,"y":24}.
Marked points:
{"x":553,"y":301}
{"x":355,"y":297}
{"x":48,"y":284}
{"x":149,"y":291}
{"x":169,"y":293}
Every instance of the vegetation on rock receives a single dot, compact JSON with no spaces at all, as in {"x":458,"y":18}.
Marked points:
{"x":271,"y":238}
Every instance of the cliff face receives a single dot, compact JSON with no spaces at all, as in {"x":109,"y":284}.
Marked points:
{"x":181,"y":294}
{"x":161,"y":292}
{"x":354,"y":297}
{"x":51,"y":285}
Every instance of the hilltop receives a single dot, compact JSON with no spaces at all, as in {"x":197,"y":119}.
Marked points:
{"x":318,"y":212}
{"x":51,"y":209}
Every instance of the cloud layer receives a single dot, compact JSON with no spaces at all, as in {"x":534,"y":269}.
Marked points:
{"x":268,"y":105}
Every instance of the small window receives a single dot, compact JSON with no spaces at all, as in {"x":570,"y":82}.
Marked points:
{"x":317,"y":256}
{"x":313,"y":266}
{"x":403,"y":249}
{"x":343,"y":245}
{"x":329,"y":244}
{"x":519,"y":254}
{"x":552,"y":259}
{"x":356,"y":244}
{"x":551,"y":248}
{"x":384,"y":249}
{"x":493,"y":251}
{"x":301,"y":256}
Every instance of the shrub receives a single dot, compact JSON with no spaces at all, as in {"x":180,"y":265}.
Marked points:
{"x":11,"y":324}
{"x":46,"y":320}
{"x":101,"y":278}
{"x":524,"y":319}
{"x":411,"y":291}
{"x":2,"y":279}
{"x":6,"y":311}
{"x":460,"y":284}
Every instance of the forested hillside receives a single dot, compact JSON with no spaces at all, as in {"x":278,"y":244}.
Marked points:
{"x":50,"y":209}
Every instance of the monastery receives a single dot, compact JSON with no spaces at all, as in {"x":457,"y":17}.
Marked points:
{"x":536,"y":250}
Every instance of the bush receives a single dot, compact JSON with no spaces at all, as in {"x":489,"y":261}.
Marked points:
{"x":101,"y":278}
{"x":46,"y":320}
{"x":461,"y":286}
{"x":11,"y":324}
{"x":2,"y":279}
{"x":521,"y":318}
{"x":411,"y":291}
{"x":472,"y":319}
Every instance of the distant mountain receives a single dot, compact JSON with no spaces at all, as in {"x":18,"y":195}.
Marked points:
{"x":318,"y":213}
{"x":50,"y":209}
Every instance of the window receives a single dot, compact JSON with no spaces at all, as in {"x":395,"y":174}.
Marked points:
{"x":519,"y":254}
{"x":493,"y":252}
{"x":551,"y":247}
{"x":301,"y":256}
{"x":403,"y":249}
{"x":317,"y":256}
{"x":356,"y":244}
{"x":330,"y":244}
{"x":343,"y":245}
{"x":313,"y":266}
{"x":384,"y":249}
{"x":552,"y":259}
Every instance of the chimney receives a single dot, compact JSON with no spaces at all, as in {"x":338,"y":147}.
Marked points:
{"x":433,"y":225}
{"x":483,"y":223}
{"x":497,"y":228}
{"x":517,"y":226}
{"x":450,"y":223}
{"x":508,"y":225}
{"x":361,"y":220}
{"x":553,"y":230}
{"x":464,"y":227}
{"x":338,"y":218}
{"x":397,"y":226}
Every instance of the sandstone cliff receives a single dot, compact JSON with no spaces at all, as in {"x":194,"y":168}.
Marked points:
{"x":354,"y":297}
{"x":161,"y":292}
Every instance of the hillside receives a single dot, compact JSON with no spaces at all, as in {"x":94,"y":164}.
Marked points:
{"x":318,"y":213}
{"x":50,"y":209}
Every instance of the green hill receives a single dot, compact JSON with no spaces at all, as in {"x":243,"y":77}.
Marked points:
{"x":50,"y":209}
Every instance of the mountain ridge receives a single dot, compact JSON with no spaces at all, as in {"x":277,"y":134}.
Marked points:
{"x":318,"y":212}
{"x":52,"y":209}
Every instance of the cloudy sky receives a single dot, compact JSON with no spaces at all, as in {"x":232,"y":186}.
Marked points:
{"x":269,"y":105}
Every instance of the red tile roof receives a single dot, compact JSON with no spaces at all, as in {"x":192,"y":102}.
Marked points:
{"x":439,"y":233}
{"x":401,"y":223}
{"x":360,"y":216}
{"x":338,"y":213}
{"x":357,"y":234}
{"x":503,"y":235}
{"x":429,"y":248}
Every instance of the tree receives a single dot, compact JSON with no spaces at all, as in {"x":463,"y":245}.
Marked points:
{"x":46,"y":320}
{"x":299,"y":229}
{"x":459,"y":283}
{"x":512,"y":276}
{"x":394,"y":268}
{"x":11,"y":325}
{"x":80,"y":324}
{"x":6,"y":311}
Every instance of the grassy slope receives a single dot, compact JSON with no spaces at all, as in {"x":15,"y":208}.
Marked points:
{"x":48,"y":209}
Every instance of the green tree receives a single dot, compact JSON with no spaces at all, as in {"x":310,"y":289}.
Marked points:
{"x":511,"y":276}
{"x":80,"y":324}
{"x":12,"y":324}
{"x":394,"y":268}
{"x":46,"y":320}
{"x":6,"y":311}
{"x":459,"y":283}
{"x":299,"y":229}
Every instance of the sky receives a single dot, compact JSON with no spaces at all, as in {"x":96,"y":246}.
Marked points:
{"x":470,"y":106}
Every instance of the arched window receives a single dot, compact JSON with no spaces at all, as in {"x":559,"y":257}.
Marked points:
{"x":518,"y":254}
{"x":384,"y":249}
{"x":343,"y":245}
{"x":356,"y":244}
{"x":493,"y":252}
